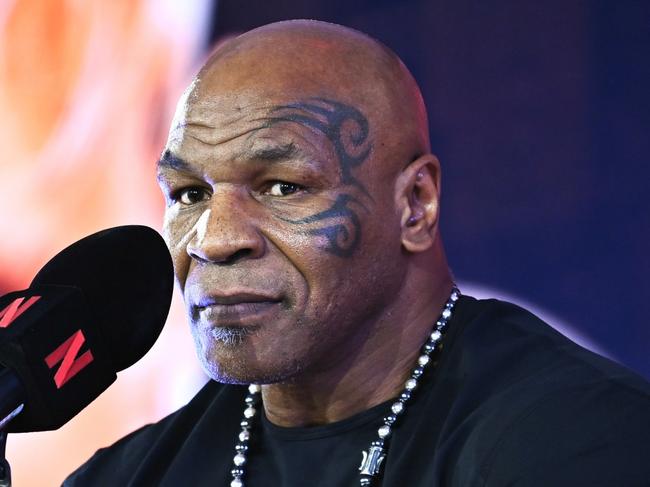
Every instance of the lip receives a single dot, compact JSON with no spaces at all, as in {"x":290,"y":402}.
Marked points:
{"x":236,"y":309}
{"x":233,"y":299}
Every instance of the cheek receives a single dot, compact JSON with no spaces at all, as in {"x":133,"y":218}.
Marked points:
{"x":177,"y":231}
{"x":364,"y":283}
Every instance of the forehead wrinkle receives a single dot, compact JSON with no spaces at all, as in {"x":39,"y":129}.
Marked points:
{"x":198,"y":126}
{"x":215,"y":141}
{"x":210,"y":115}
{"x":213,"y":120}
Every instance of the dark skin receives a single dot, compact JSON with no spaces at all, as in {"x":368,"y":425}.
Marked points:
{"x":302,"y":217}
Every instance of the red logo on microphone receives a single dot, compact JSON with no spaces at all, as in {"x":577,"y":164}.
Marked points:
{"x":15,"y":309}
{"x":66,"y":353}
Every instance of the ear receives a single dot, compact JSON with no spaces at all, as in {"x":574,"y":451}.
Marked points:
{"x":417,"y":198}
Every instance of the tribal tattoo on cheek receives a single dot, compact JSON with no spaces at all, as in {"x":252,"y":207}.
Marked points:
{"x":340,"y":241}
{"x":347,"y":130}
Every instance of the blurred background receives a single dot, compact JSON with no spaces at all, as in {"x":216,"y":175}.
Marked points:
{"x":539,"y":111}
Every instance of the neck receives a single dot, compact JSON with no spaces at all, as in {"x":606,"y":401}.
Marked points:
{"x":378,"y":370}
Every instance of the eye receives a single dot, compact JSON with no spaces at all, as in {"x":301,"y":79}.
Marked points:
{"x":281,"y":188}
{"x":191,"y":196}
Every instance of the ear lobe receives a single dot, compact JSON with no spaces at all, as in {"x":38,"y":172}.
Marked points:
{"x":417,"y":198}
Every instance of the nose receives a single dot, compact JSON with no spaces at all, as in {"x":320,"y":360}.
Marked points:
{"x":226,"y":233}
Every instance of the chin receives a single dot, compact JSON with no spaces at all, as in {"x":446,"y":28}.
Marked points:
{"x":240,"y":371}
{"x":238,"y":355}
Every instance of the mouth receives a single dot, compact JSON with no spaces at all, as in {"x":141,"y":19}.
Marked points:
{"x":236,"y":310}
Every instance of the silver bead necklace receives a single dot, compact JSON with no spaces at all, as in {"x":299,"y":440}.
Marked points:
{"x":373,"y":458}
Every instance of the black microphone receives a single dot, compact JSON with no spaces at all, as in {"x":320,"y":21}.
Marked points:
{"x":94,"y":309}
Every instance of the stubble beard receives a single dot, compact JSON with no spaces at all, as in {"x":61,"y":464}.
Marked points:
{"x":234,"y":369}
{"x":230,"y":336}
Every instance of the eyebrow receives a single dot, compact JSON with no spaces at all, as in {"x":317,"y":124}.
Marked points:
{"x":274,"y":153}
{"x":171,"y":161}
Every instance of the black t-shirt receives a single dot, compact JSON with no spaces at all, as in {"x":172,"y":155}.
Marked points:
{"x":510,"y":402}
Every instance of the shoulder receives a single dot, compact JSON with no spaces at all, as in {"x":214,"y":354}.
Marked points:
{"x":551,"y":412}
{"x":517,"y":349}
{"x":151,"y":447}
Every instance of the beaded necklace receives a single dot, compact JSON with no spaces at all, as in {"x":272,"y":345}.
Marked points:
{"x":372,"y":458}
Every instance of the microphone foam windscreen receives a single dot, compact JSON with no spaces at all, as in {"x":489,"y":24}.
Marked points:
{"x":126,"y":275}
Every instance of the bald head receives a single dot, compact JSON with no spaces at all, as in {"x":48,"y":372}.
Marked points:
{"x":303,"y":59}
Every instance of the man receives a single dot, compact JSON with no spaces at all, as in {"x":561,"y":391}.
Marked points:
{"x":302,"y":217}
